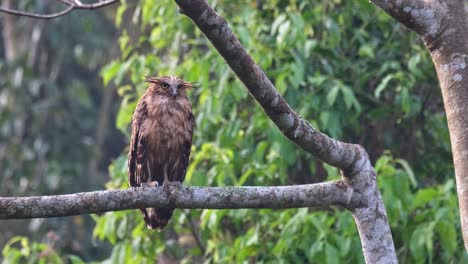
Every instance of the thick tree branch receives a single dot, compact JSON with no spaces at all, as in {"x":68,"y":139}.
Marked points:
{"x":422,"y":16}
{"x":71,"y":5}
{"x":371,"y":220}
{"x":348,"y":157}
{"x":176,"y":196}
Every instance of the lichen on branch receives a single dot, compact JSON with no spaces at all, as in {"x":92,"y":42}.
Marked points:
{"x":178,"y":196}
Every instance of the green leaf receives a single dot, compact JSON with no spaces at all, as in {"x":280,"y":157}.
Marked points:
{"x":366,"y":6}
{"x":382,"y":85}
{"x":448,"y":234}
{"x":332,"y":254}
{"x":75,"y":259}
{"x":13,"y":254}
{"x":349,"y":98}
{"x":421,"y":243}
{"x":408,"y":171}
{"x":366,"y":50}
{"x":110,"y":71}
{"x":405,"y":101}
{"x":413,"y":64}
{"x":317,"y":80}
{"x":124,"y":116}
{"x":424,"y":196}
{"x":332,"y":94}
{"x":119,"y":14}
{"x":278,"y":21}
{"x":110,"y":227}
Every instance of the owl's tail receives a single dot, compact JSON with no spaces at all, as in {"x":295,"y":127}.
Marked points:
{"x":157,"y":218}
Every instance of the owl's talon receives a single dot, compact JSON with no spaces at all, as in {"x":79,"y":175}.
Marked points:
{"x":165,"y":186}
{"x":153,"y":184}
{"x":149,"y":184}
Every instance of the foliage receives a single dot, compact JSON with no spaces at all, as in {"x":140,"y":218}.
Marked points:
{"x":358,"y":86}
{"x":352,"y":72}
{"x":45,"y":104}
{"x":34,"y":252}
{"x":422,"y":220}
{"x":50,"y":104}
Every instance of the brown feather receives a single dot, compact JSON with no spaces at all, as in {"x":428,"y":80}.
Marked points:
{"x":162,"y":129}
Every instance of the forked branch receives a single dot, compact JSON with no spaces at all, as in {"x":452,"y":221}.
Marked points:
{"x":371,"y":220}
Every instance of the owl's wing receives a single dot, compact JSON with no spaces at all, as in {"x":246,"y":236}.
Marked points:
{"x":187,"y":148}
{"x":137,"y":154}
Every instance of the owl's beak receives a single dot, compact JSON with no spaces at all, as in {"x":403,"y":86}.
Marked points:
{"x":174,"y":92}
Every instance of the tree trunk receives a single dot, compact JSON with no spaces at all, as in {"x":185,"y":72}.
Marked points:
{"x":443,"y":25}
{"x":449,"y":51}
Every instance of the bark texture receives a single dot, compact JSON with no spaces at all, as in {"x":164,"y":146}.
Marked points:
{"x":443,"y":25}
{"x":177,"y":196}
{"x":359,"y":175}
{"x":371,"y":221}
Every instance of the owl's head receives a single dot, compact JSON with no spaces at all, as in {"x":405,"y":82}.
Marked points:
{"x":169,"y":85}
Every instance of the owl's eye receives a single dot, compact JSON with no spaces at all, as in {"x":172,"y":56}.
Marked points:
{"x":180,"y":86}
{"x":164,"y":85}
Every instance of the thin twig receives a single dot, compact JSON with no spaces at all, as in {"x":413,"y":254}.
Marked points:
{"x":99,"y":4}
{"x":35,"y":15}
{"x":195,"y":234}
{"x":72,"y":5}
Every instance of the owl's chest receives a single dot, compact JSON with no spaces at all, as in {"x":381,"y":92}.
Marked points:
{"x":167,"y":128}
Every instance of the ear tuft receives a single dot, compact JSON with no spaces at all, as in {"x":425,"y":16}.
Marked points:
{"x":190,"y":85}
{"x":151,"y":79}
{"x":195,"y":85}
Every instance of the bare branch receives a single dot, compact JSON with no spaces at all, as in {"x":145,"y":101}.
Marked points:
{"x":99,"y":4}
{"x":34,"y":15}
{"x":176,"y":196}
{"x":195,"y":233}
{"x":72,"y":5}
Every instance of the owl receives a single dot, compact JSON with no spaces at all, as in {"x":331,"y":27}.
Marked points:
{"x":162,"y":130}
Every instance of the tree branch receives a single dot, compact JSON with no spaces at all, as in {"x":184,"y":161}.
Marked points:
{"x":177,"y":196}
{"x":71,"y":5}
{"x":371,"y":219}
{"x":348,"y":157}
{"x":424,"y":17}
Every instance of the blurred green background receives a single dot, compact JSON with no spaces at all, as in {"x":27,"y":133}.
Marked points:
{"x":68,"y":88}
